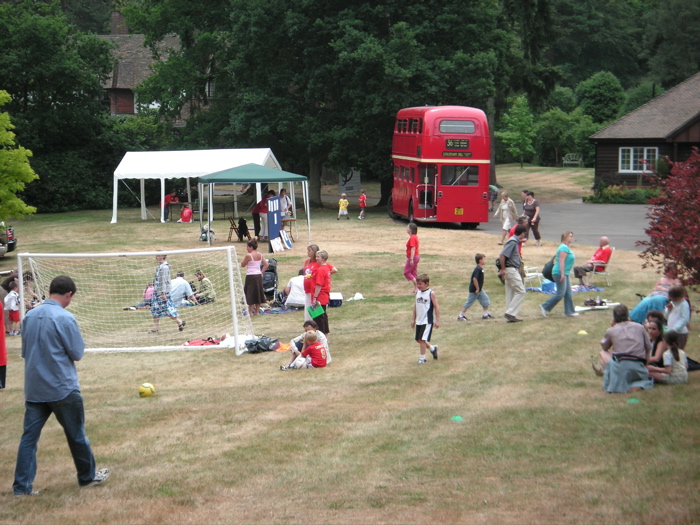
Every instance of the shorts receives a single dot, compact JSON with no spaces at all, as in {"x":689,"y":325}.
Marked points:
{"x":343,"y":212}
{"x":302,"y":362}
{"x":423,"y":332}
{"x":484,"y":300}
{"x":14,"y":316}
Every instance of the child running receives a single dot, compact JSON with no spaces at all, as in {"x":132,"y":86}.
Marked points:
{"x":363,"y":203}
{"x":426,"y":316}
{"x":476,"y":290}
{"x":343,"y":207}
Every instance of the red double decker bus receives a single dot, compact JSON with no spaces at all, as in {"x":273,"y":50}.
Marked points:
{"x":441,"y":157}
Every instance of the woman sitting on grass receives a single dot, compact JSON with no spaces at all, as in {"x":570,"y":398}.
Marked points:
{"x":675,"y":363}
{"x":655,"y":329}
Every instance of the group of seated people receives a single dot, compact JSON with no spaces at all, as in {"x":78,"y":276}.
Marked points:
{"x":182,"y":293}
{"x":635,"y":356}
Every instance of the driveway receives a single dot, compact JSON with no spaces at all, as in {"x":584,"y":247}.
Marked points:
{"x":623,"y":224}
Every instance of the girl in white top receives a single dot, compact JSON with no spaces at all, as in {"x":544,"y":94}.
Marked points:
{"x":675,"y":370}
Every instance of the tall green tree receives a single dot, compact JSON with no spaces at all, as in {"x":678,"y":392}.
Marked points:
{"x":600,"y":96}
{"x":54,"y":74}
{"x":319,"y":83}
{"x":15,"y":170}
{"x":519,"y":131}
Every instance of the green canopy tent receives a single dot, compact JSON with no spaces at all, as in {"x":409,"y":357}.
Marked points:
{"x":255,"y":174}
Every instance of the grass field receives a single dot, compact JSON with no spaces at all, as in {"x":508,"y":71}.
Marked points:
{"x":371,"y":438}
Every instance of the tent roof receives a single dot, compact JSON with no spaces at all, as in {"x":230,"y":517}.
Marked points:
{"x":189,"y":163}
{"x":251,"y":173}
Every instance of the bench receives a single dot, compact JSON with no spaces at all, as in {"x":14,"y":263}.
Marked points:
{"x":573,"y":159}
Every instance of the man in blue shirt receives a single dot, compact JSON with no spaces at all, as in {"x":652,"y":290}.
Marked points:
{"x":51,"y":344}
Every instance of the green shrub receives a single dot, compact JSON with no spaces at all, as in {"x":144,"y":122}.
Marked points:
{"x":620,"y":195}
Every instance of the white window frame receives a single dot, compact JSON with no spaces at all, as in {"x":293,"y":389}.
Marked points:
{"x":630,"y":157}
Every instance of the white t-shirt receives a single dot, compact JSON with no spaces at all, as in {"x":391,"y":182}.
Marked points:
{"x":678,"y":368}
{"x":12,"y":301}
{"x":296,"y":292}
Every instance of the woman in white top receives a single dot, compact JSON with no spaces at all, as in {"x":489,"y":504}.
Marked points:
{"x":255,"y":265}
{"x":507,"y":213}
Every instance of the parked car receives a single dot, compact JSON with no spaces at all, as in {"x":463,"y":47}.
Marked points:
{"x":8,"y":241}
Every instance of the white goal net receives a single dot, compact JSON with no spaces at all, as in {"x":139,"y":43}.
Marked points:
{"x":111,"y":304}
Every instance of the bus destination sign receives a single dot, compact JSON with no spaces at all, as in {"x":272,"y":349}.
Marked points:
{"x":456,"y":153}
{"x":456,"y":143}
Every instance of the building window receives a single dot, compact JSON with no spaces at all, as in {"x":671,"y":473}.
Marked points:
{"x":636,"y":160}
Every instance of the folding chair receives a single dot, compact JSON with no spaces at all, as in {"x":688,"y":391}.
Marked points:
{"x":532,"y":273}
{"x":605,"y":266}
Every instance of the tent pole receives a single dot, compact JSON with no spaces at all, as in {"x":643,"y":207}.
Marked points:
{"x":211,"y":211}
{"x":162,"y":200}
{"x":305,"y":186}
{"x":143,"y":200}
{"x":114,"y":201}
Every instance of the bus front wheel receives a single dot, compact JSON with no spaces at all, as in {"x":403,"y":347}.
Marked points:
{"x":470,"y":225}
{"x":390,"y":209}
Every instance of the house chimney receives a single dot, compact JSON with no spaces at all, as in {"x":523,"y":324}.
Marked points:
{"x":118,"y":24}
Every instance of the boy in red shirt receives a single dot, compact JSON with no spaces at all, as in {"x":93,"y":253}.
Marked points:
{"x":313,"y":354}
{"x":363,"y":203}
{"x":185,"y":214}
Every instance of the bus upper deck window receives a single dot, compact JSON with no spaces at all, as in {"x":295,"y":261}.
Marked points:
{"x":457,"y":126}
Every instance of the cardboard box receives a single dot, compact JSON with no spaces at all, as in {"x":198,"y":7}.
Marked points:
{"x":336,"y":299}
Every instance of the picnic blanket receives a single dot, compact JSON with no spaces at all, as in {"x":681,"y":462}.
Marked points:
{"x":278,"y":310}
{"x":575,"y":289}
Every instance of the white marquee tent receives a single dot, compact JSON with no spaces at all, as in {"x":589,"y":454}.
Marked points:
{"x":184,"y":164}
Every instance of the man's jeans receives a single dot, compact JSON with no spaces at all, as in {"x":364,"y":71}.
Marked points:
{"x":71,"y":415}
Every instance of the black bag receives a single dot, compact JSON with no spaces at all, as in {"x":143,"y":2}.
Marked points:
{"x":547,"y":270}
{"x":262,"y":344}
{"x":242,"y":229}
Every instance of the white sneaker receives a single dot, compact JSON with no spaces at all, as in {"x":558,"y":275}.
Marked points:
{"x":100,"y":477}
{"x":544,"y":312}
{"x":573,"y":315}
{"x":421,"y":361}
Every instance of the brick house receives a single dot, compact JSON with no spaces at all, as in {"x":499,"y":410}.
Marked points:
{"x":132,"y":65}
{"x":667,"y":126}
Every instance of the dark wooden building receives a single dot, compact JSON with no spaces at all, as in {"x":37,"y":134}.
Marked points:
{"x":667,"y":126}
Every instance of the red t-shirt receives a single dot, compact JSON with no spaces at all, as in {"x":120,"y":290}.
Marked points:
{"x":363,"y":200}
{"x":318,"y":354}
{"x":520,"y":245}
{"x":186,"y":215}
{"x":309,"y":267}
{"x":322,"y":276}
{"x":412,"y":243}
{"x":601,"y":254}
{"x":169,"y":198}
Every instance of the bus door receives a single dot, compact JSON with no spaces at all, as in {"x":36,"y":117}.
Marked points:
{"x":426,"y":191}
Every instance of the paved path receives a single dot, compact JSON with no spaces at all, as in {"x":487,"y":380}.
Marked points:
{"x":624,"y":224}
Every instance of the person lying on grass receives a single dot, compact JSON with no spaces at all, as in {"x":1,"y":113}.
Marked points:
{"x":312,"y":355}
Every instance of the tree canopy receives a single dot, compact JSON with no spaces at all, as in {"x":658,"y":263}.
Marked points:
{"x":15,"y":170}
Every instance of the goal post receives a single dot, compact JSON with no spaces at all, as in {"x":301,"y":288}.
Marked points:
{"x":113,"y":312}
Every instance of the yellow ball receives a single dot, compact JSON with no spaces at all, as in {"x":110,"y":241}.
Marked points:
{"x":147,"y":390}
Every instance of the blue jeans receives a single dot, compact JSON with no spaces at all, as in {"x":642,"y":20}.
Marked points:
{"x":563,"y":291}
{"x":481,"y":296}
{"x":71,"y":415}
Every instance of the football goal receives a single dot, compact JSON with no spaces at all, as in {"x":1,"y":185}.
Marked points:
{"x":112,"y":307}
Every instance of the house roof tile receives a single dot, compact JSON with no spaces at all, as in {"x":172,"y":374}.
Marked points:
{"x":660,"y":118}
{"x":133,"y":60}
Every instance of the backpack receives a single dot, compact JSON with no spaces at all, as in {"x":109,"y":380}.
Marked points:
{"x":547,"y":270}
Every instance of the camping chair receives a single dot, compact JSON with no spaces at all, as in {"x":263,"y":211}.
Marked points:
{"x":532,"y":273}
{"x":604,"y":266}
{"x":235,"y":230}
